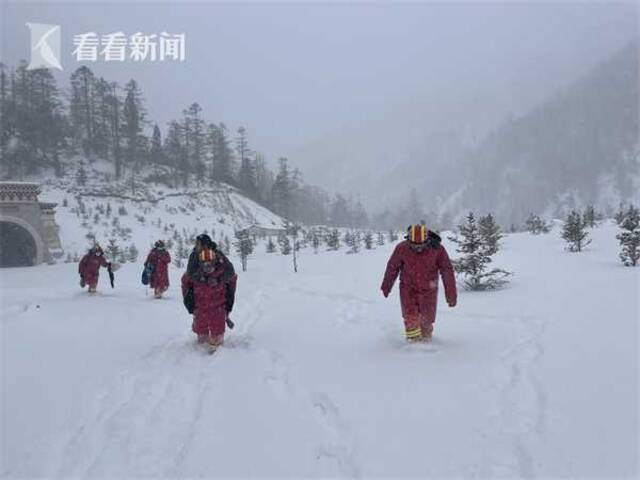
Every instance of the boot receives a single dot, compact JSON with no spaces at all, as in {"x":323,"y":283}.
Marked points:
{"x":202,"y":339}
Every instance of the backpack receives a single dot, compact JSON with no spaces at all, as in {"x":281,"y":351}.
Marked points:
{"x":189,"y":300}
{"x":146,"y":273}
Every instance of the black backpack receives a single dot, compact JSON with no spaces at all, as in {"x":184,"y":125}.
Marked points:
{"x":189,"y":300}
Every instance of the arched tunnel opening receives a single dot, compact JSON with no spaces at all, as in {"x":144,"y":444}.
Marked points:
{"x":17,"y":246}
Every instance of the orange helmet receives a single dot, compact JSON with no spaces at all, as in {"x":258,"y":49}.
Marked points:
{"x":417,"y":234}
{"x":207,"y":255}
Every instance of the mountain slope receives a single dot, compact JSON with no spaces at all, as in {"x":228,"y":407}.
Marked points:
{"x":580,"y":147}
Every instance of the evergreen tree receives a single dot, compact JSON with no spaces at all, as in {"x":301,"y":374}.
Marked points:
{"x":285,"y":244}
{"x":194,"y":141}
{"x":476,"y":256}
{"x":81,"y":175}
{"x":271,"y":246}
{"x":620,"y":214}
{"x":536,"y":225}
{"x":281,"y":190}
{"x":333,"y":240}
{"x":490,"y":234}
{"x":112,"y":250}
{"x":244,"y":247}
{"x":222,"y":168}
{"x":315,"y":240}
{"x":380,"y":240}
{"x":155,"y":152}
{"x":247,"y":174}
{"x":82,"y":108}
{"x":629,"y":237}
{"x":590,"y":217}
{"x":368,"y":241}
{"x":575,"y":232}
{"x":175,"y":153}
{"x":133,"y":119}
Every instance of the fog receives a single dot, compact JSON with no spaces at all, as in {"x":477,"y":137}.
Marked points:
{"x":323,"y":83}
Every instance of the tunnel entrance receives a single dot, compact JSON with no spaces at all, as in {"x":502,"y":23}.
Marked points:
{"x":17,"y":246}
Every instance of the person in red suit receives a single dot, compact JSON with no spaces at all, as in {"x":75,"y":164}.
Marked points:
{"x":418,"y":260}
{"x":211,"y":280}
{"x":158,"y":261}
{"x":89,"y":267}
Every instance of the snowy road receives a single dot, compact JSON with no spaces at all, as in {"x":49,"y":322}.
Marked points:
{"x":539,"y":380}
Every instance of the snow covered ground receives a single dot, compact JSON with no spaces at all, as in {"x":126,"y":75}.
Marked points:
{"x":538,"y":380}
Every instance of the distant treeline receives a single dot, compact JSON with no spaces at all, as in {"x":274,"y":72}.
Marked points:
{"x":44,"y":128}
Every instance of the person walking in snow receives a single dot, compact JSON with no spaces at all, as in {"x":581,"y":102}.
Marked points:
{"x":157,"y":263}
{"x":418,"y":260}
{"x":208,"y":288}
{"x":89,"y":267}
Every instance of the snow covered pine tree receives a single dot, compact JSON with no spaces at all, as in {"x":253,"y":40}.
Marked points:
{"x":478,"y":245}
{"x":575,"y":232}
{"x":629,"y":237}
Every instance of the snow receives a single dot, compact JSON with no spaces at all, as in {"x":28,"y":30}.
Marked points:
{"x":538,"y":380}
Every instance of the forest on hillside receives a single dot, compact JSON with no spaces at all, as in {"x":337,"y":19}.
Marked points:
{"x":46,"y":129}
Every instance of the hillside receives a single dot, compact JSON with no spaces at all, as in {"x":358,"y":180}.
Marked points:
{"x":538,"y":380}
{"x":580,"y":147}
{"x":140,"y":213}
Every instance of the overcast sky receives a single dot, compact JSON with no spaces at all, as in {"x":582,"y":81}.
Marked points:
{"x":294,"y":72}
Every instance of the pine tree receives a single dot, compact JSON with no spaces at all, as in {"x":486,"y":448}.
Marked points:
{"x":285,"y":244}
{"x":393,"y":236}
{"x":629,"y":237}
{"x":244,"y":247}
{"x":490,"y":234}
{"x":380,"y":240}
{"x":575,"y":232}
{"x":81,"y":175}
{"x":133,"y":116}
{"x":315,"y":240}
{"x":112,"y":250}
{"x":476,"y":257}
{"x":281,"y":190}
{"x":156,"y":153}
{"x":333,"y":240}
{"x":536,"y":225}
{"x":194,"y":141}
{"x":247,"y":174}
{"x":368,"y":241}
{"x":620,"y":214}
{"x":222,"y":168}
{"x":271,"y":246}
{"x":590,"y":217}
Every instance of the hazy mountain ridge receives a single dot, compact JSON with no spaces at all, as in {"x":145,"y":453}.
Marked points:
{"x":579,"y":147}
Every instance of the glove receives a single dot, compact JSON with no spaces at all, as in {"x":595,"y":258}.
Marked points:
{"x":385,"y":292}
{"x":229,"y":323}
{"x":452,"y":303}
{"x":82,"y":282}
